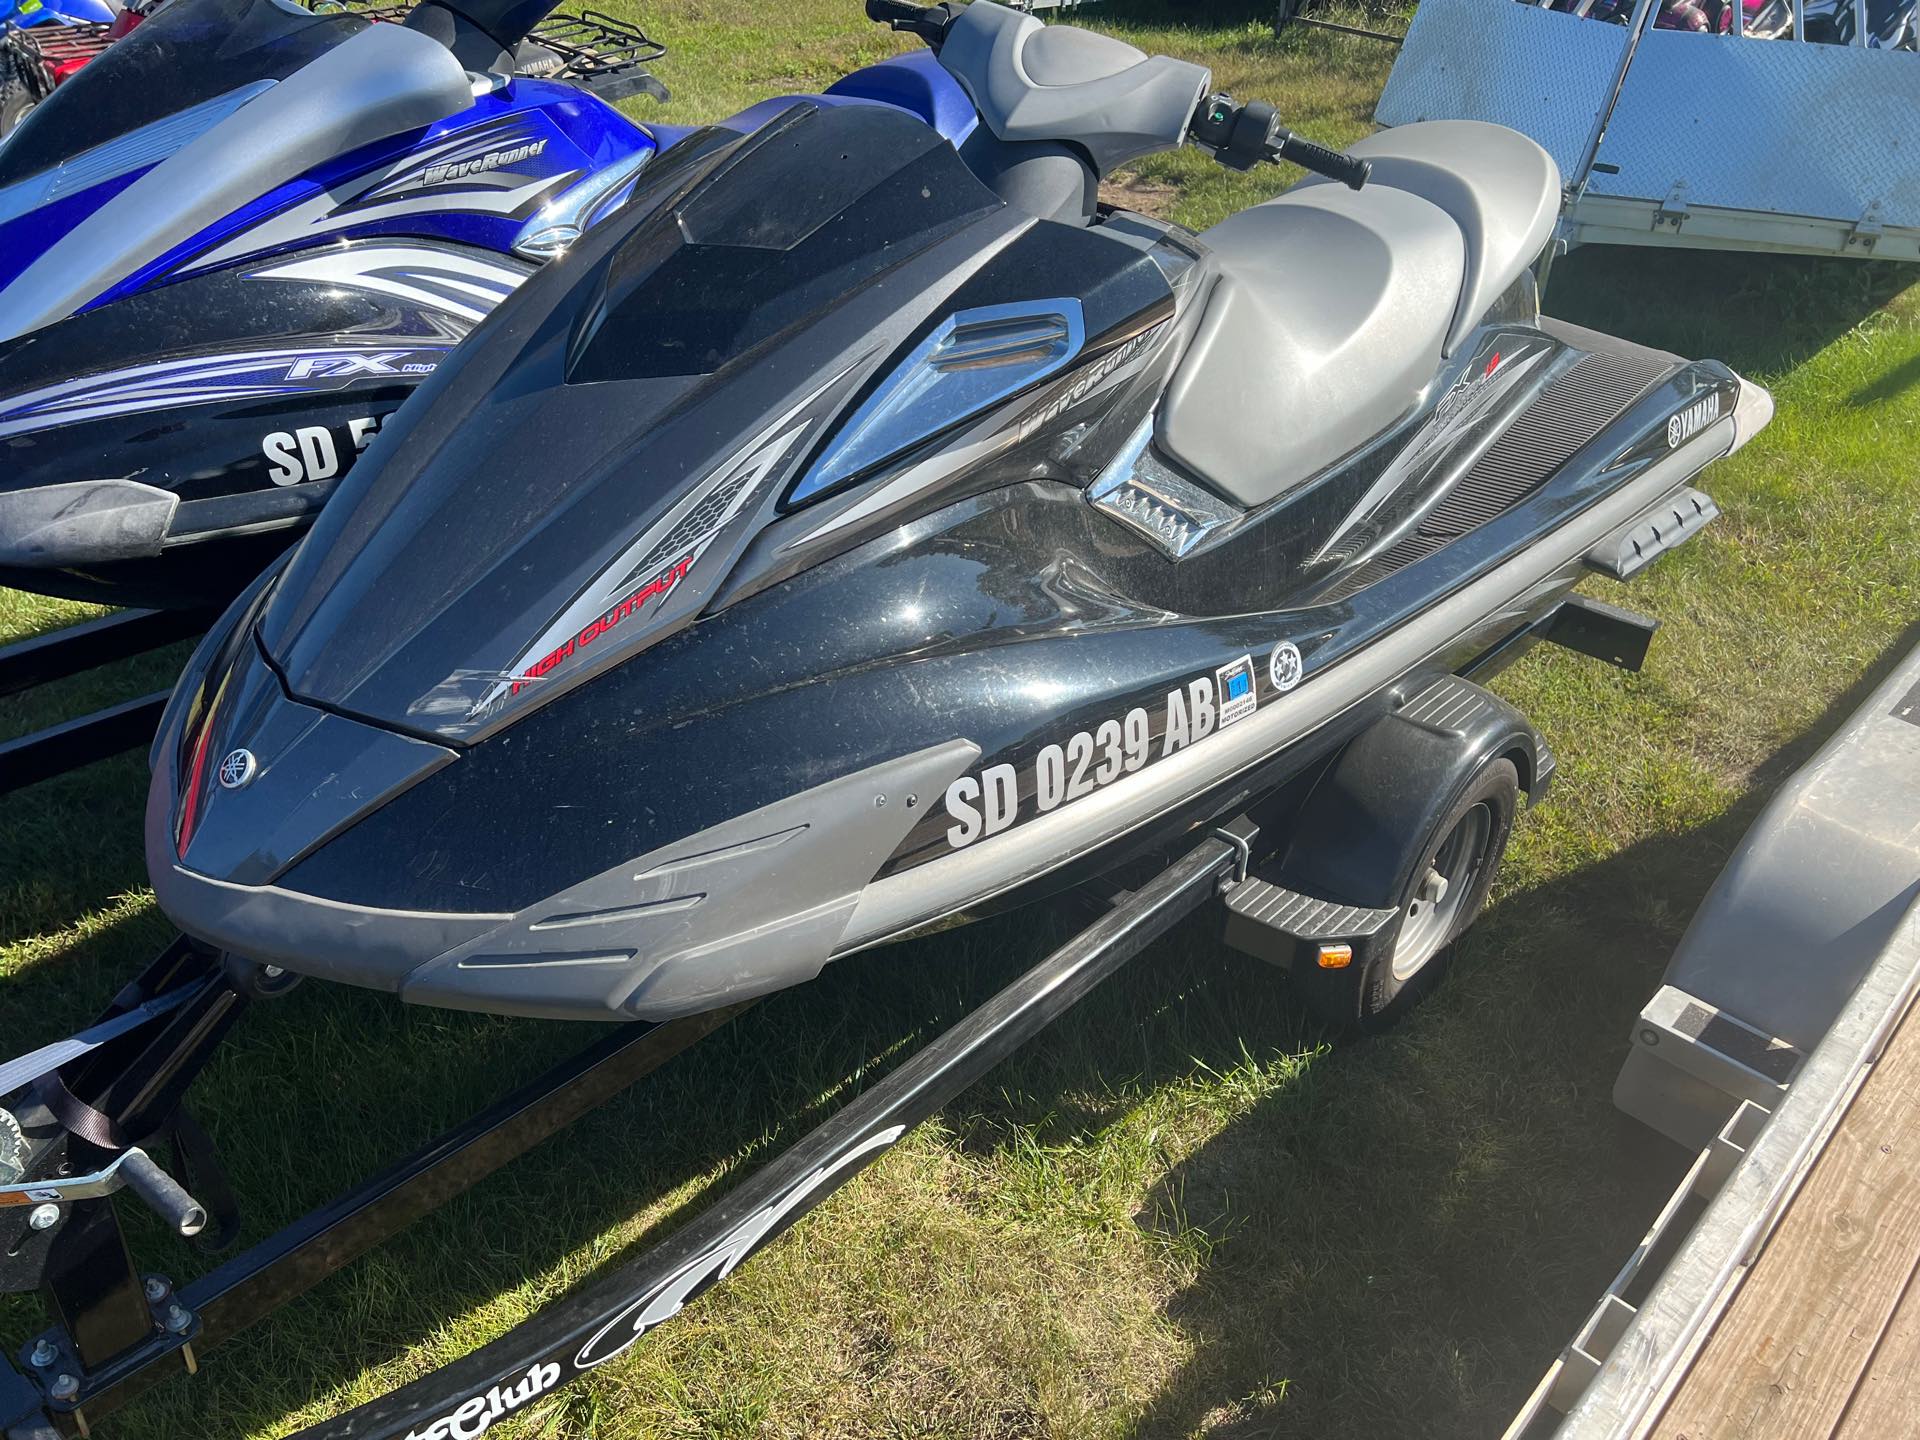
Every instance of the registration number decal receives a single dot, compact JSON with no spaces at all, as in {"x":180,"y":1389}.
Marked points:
{"x":1091,"y":759}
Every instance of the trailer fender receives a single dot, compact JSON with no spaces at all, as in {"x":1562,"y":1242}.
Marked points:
{"x":1368,"y":819}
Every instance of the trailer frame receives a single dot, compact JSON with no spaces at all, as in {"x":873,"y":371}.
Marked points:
{"x":119,"y":1330}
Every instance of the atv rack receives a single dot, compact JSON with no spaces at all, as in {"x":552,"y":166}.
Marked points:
{"x":90,"y":1105}
{"x":600,"y":54}
{"x":47,"y":54}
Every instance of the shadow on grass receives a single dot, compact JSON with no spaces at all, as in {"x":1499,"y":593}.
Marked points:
{"x":1761,"y":314}
{"x":1396,"y":1241}
{"x":1341,"y":1299}
{"x":325,"y":1086}
{"x":1889,"y":386}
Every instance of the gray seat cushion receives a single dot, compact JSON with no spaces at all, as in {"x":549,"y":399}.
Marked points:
{"x":1038,"y":83}
{"x":1501,"y":189}
{"x":1325,"y":325}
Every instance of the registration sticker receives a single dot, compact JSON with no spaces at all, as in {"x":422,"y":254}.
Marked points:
{"x":1235,"y":685}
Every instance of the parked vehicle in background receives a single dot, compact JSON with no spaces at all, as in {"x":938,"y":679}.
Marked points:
{"x":42,"y":42}
{"x":233,"y":245}
{"x":1890,"y":24}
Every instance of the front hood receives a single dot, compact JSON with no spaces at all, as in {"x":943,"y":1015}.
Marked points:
{"x":580,"y":479}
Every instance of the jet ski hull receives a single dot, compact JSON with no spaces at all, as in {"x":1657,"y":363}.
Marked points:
{"x":797,"y":727}
{"x":171,"y":424}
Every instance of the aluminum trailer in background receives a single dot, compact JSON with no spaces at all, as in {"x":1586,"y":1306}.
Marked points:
{"x":1671,"y":137}
{"x":1796,"y":968}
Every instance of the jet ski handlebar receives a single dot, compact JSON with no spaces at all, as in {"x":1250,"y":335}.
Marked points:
{"x":929,"y":22}
{"x":1242,"y":136}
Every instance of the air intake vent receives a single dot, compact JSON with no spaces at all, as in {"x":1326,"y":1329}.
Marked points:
{"x":1573,"y":407}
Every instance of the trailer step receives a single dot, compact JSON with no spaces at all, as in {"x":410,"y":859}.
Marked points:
{"x":1269,"y":921}
{"x":1692,"y":1064}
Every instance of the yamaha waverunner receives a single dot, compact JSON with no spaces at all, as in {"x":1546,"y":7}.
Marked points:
{"x":234,"y":243}
{"x":858,"y":533}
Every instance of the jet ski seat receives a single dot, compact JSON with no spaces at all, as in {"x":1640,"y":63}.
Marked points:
{"x":1501,"y":189}
{"x":1334,"y":307}
{"x":1051,"y":84}
{"x":1326,"y":323}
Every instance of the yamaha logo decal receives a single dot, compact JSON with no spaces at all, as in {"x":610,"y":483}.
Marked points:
{"x":236,"y":771}
{"x":1701,"y":412}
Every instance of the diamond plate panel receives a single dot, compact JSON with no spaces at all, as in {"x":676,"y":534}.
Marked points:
{"x":1793,"y":129}
{"x":1541,"y":72}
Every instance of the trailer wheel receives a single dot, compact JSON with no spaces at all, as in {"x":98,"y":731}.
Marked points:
{"x":17,"y":94}
{"x":1440,"y":898}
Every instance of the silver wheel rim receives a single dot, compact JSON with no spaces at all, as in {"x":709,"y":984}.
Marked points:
{"x":1440,"y":896}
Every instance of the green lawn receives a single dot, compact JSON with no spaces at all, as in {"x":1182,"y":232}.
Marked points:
{"x":1184,"y":1211}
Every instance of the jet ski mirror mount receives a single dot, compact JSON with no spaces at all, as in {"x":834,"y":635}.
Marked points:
{"x":1242,"y":136}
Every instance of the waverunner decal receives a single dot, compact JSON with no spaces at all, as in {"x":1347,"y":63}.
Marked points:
{"x":492,"y":160}
{"x":656,"y":588}
{"x":442,"y":281}
{"x":987,"y":803}
{"x":655,"y":563}
{"x":404,"y":189}
{"x":1701,"y":412}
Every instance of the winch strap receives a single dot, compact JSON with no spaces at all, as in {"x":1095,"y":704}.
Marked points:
{"x":200,"y":1168}
{"x":79,"y":1118}
{"x":19,"y":1073}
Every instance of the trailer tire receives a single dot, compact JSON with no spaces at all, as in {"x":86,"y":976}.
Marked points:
{"x":17,"y":93}
{"x":1441,"y":897}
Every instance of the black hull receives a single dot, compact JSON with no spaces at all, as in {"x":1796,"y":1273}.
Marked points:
{"x":674,"y":720}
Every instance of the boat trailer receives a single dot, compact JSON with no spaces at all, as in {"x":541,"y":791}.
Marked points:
{"x":1670,"y":137}
{"x":96,"y":1102}
{"x":76,"y":650}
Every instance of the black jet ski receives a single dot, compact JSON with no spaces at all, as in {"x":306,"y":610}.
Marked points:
{"x":858,"y":533}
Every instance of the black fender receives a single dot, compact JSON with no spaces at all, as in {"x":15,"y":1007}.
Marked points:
{"x":1368,"y":819}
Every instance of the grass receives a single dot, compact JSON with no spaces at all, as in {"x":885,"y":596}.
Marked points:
{"x":1183,"y":1211}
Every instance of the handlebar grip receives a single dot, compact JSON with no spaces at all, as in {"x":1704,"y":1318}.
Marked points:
{"x":1331,"y":163}
{"x":164,"y":1196}
{"x":929,"y":22}
{"x":900,"y":14}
